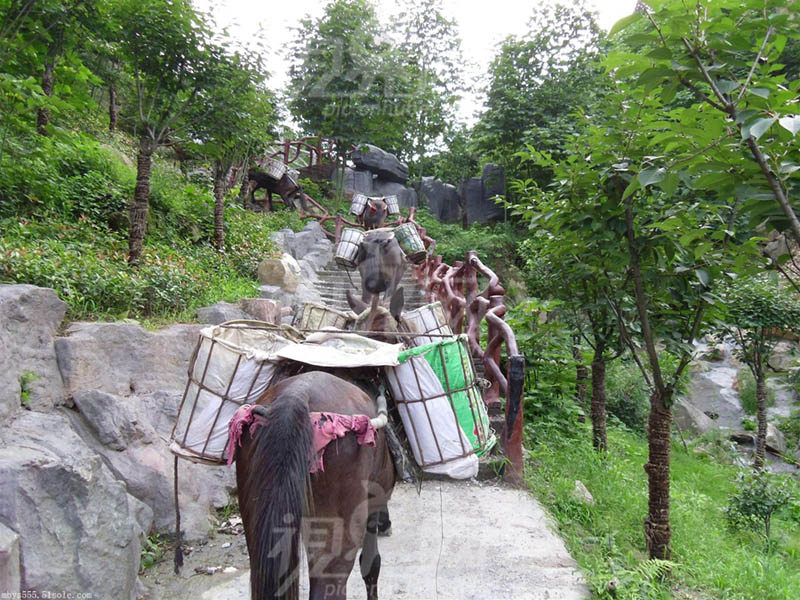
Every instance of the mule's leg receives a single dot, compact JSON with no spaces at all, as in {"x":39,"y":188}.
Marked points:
{"x":370,"y":559}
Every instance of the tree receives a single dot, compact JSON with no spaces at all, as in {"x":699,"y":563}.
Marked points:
{"x":232,"y":123}
{"x":342,"y":81}
{"x":536,"y":82}
{"x":754,"y":312}
{"x":728,"y":54}
{"x":170,"y":52}
{"x":574,"y":263}
{"x":429,"y":54}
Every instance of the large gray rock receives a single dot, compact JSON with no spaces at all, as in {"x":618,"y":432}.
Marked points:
{"x":442,"y":200}
{"x":125,"y":359}
{"x":219,"y":313}
{"x":130,"y":434}
{"x":9,"y":561}
{"x":406,"y":196}
{"x":691,"y":419}
{"x":494,"y":182}
{"x":477,"y":194}
{"x":262,"y":309}
{"x":775,"y":439}
{"x":784,"y":356}
{"x":77,"y":533}
{"x":29,"y":319}
{"x":384,"y":164}
{"x":355,"y":180}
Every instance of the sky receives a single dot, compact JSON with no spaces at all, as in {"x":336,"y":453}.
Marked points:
{"x":481,"y":26}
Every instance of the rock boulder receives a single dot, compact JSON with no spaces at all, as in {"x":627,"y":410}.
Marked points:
{"x":283,"y":272}
{"x":219,"y":313}
{"x":29,"y":319}
{"x":9,"y":561}
{"x":691,"y":419}
{"x":442,"y":199}
{"x":384,"y":164}
{"x":125,"y":359}
{"x":77,"y":531}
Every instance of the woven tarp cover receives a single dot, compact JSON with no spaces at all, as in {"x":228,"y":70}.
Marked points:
{"x":449,"y":360}
{"x":337,"y":349}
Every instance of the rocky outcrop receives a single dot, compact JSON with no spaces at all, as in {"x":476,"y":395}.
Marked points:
{"x":477,"y":195}
{"x":690,"y":419}
{"x":471,"y":192}
{"x":384,"y":164}
{"x":221,"y":312}
{"x":493,"y":178}
{"x":406,"y":196}
{"x":125,"y":359}
{"x":442,"y":200}
{"x":283,"y":272}
{"x":77,"y":531}
{"x":784,"y":356}
{"x":29,"y":319}
{"x":9,"y":561}
{"x":355,"y":180}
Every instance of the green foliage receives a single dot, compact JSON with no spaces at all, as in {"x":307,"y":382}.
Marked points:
{"x":627,"y":394}
{"x":536,"y":82}
{"x":25,"y":380}
{"x":790,"y":427}
{"x":708,"y":560}
{"x":759,"y":496}
{"x":747,"y":392}
{"x":153,"y":549}
{"x":550,"y":375}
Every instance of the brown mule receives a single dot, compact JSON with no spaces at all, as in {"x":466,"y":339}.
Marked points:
{"x":336,"y":510}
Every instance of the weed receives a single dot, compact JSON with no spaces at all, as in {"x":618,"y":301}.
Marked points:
{"x":25,"y":380}
{"x":153,"y":549}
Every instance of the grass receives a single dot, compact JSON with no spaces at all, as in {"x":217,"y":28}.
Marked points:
{"x":710,"y":561}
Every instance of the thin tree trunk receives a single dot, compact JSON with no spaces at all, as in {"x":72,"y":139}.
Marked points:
{"x":113,"y":109}
{"x":761,"y":400}
{"x":43,"y":115}
{"x":581,"y":379}
{"x":599,"y":440}
{"x":219,"y":206}
{"x":656,"y":526}
{"x":141,"y":199}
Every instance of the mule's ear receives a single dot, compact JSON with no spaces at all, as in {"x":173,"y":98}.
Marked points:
{"x":356,"y":304}
{"x":397,"y":303}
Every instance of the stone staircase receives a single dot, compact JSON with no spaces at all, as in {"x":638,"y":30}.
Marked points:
{"x":332,"y":284}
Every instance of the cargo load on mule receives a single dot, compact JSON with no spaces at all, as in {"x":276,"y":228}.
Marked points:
{"x":427,"y":373}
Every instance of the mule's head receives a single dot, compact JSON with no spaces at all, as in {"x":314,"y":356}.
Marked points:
{"x":375,"y":213}
{"x":381,"y":263}
{"x":376,"y":317}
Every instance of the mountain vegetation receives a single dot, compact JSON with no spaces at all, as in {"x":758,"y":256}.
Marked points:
{"x":647,"y":169}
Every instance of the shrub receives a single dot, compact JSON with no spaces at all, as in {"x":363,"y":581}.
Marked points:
{"x":758,"y":497}
{"x":627,"y":394}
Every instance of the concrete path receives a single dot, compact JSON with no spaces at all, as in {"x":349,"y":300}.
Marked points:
{"x":460,"y":541}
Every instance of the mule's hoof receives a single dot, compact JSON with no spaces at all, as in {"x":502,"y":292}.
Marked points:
{"x":386,"y":533}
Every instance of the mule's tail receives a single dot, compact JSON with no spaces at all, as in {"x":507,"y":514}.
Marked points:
{"x":277,"y":485}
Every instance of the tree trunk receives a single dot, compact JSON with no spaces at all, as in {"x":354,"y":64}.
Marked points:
{"x":581,"y":378}
{"x":599,"y":439}
{"x":112,"y":108}
{"x":656,"y":525}
{"x":43,"y":116}
{"x":761,"y":400}
{"x":141,"y":199}
{"x":219,"y":206}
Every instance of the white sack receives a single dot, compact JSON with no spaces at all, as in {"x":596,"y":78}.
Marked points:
{"x":442,"y":427}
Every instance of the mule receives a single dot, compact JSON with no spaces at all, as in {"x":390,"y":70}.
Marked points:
{"x":335,"y":510}
{"x":288,"y":189}
{"x":381,"y":263}
{"x":374,"y":216}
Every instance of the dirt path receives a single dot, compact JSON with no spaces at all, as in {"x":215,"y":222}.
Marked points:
{"x":456,"y":540}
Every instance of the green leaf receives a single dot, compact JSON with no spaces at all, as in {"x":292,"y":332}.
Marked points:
{"x":624,"y":23}
{"x":634,"y":185}
{"x":670,"y":183}
{"x":790,"y":123}
{"x":726,"y":86}
{"x":702,"y":275}
{"x":757,"y":128}
{"x":761,"y":92}
{"x":651,"y":175}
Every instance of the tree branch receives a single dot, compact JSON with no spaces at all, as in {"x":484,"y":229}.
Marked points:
{"x":755,"y":64}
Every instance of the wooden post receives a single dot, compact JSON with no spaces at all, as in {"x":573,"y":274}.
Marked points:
{"x":512,"y":435}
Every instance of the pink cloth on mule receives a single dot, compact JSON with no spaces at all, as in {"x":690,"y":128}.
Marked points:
{"x":327,"y":427}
